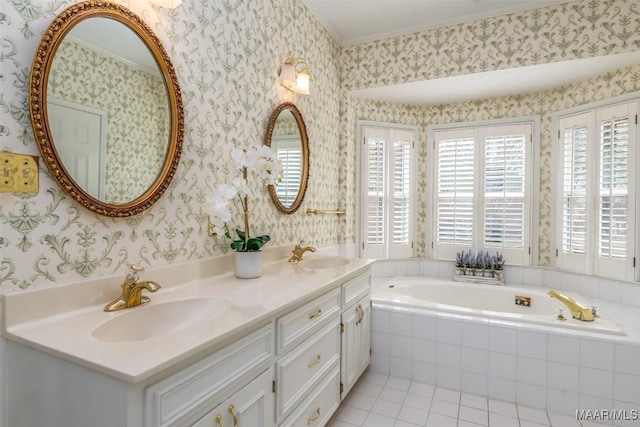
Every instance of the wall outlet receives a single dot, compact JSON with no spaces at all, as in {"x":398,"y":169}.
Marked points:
{"x":18,"y":173}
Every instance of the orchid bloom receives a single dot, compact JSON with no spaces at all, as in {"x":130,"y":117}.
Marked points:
{"x":264,"y":160}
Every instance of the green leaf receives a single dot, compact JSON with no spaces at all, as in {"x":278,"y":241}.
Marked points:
{"x":252,"y":245}
{"x":238,"y":245}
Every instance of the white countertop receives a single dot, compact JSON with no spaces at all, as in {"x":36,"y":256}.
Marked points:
{"x":60,"y":320}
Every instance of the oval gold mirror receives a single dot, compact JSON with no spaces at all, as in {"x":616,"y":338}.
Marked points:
{"x":106,"y":108}
{"x":287,"y":137}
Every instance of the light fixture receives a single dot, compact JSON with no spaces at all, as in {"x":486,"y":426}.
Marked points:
{"x":296,"y":75}
{"x":170,"y":4}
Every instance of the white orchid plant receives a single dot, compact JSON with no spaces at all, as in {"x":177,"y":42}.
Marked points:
{"x":263,"y":161}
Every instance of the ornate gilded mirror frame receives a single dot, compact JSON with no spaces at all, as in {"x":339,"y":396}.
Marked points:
{"x":51,"y":40}
{"x":304,"y":139}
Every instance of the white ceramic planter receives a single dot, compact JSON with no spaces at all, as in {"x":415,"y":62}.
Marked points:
{"x":248,"y":265}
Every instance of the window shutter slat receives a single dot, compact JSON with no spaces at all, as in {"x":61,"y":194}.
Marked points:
{"x":504,"y":198}
{"x":375,"y":195}
{"x":455,"y":182}
{"x":401,"y":192}
{"x":289,"y":185}
{"x":613,"y":200}
{"x":574,"y":217}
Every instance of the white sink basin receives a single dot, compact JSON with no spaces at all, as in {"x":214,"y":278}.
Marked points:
{"x":149,"y":321}
{"x":329,"y":262}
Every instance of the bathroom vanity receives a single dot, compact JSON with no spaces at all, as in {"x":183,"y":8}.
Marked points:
{"x":281,"y":350}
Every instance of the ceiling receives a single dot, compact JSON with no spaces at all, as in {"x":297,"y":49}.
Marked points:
{"x":513,"y":81}
{"x":115,"y":39}
{"x":356,"y":21}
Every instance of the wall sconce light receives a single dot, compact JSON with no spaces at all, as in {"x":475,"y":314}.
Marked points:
{"x":296,"y":75}
{"x":170,"y":4}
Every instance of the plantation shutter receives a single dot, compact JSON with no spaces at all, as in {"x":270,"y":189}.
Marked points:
{"x":506,"y":191}
{"x":615,"y":201}
{"x":290,"y":159}
{"x":375,"y":140}
{"x":400,"y":193}
{"x":614,"y":164}
{"x":455,"y":175}
{"x":482,"y":190}
{"x":387,"y":181}
{"x":574,"y":223}
{"x":596,"y":152}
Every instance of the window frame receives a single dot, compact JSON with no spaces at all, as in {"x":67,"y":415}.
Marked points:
{"x":361,"y":185}
{"x":591,"y":263}
{"x":532,"y":183}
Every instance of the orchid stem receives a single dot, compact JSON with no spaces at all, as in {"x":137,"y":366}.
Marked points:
{"x":246,"y":213}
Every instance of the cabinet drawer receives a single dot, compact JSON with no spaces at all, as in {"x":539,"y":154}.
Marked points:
{"x":302,"y":368}
{"x":252,"y":406}
{"x":295,"y":325}
{"x":355,"y":289}
{"x":317,"y":409}
{"x":188,"y":391}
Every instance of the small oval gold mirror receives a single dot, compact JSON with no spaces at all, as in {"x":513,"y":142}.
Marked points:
{"x":106,"y":108}
{"x":287,"y":137}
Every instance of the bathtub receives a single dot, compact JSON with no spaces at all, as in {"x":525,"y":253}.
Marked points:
{"x":474,"y":338}
{"x":486,"y":301}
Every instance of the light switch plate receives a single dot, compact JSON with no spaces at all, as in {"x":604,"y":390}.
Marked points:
{"x":18,"y":173}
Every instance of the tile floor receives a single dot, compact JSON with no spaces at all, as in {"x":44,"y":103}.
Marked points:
{"x":381,"y":401}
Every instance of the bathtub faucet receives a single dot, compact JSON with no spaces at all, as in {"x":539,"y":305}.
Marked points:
{"x":578,"y":311}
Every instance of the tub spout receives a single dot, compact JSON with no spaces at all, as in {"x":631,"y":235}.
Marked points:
{"x":578,"y":311}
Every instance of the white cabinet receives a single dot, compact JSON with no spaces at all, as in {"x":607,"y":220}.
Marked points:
{"x":303,"y":368}
{"x":356,"y":333}
{"x":324,"y":347}
{"x":285,"y":370}
{"x":317,"y":409}
{"x":185,"y":396}
{"x":297,"y":325}
{"x":251,"y":406}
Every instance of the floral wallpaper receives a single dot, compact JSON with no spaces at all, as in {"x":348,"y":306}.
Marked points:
{"x":227,"y":56}
{"x":571,"y":30}
{"x":137,"y":115}
{"x":286,"y":125}
{"x":613,"y":84}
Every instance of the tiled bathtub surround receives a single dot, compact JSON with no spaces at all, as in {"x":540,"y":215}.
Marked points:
{"x":606,"y":289}
{"x":556,"y":370}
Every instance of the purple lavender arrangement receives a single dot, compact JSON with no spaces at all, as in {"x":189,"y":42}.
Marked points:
{"x":482,"y":264}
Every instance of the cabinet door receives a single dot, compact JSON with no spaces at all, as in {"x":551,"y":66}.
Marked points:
{"x":251,"y":406}
{"x":356,"y":343}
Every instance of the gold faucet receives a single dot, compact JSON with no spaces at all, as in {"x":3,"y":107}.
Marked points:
{"x":132,"y":290}
{"x":299,"y":251}
{"x":578,"y":311}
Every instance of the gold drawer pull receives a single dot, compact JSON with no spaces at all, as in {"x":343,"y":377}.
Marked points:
{"x":219,"y":420}
{"x":318,"y":313}
{"x":315,"y":361}
{"x":360,"y":312}
{"x":314,"y":419}
{"x":232,"y":411}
